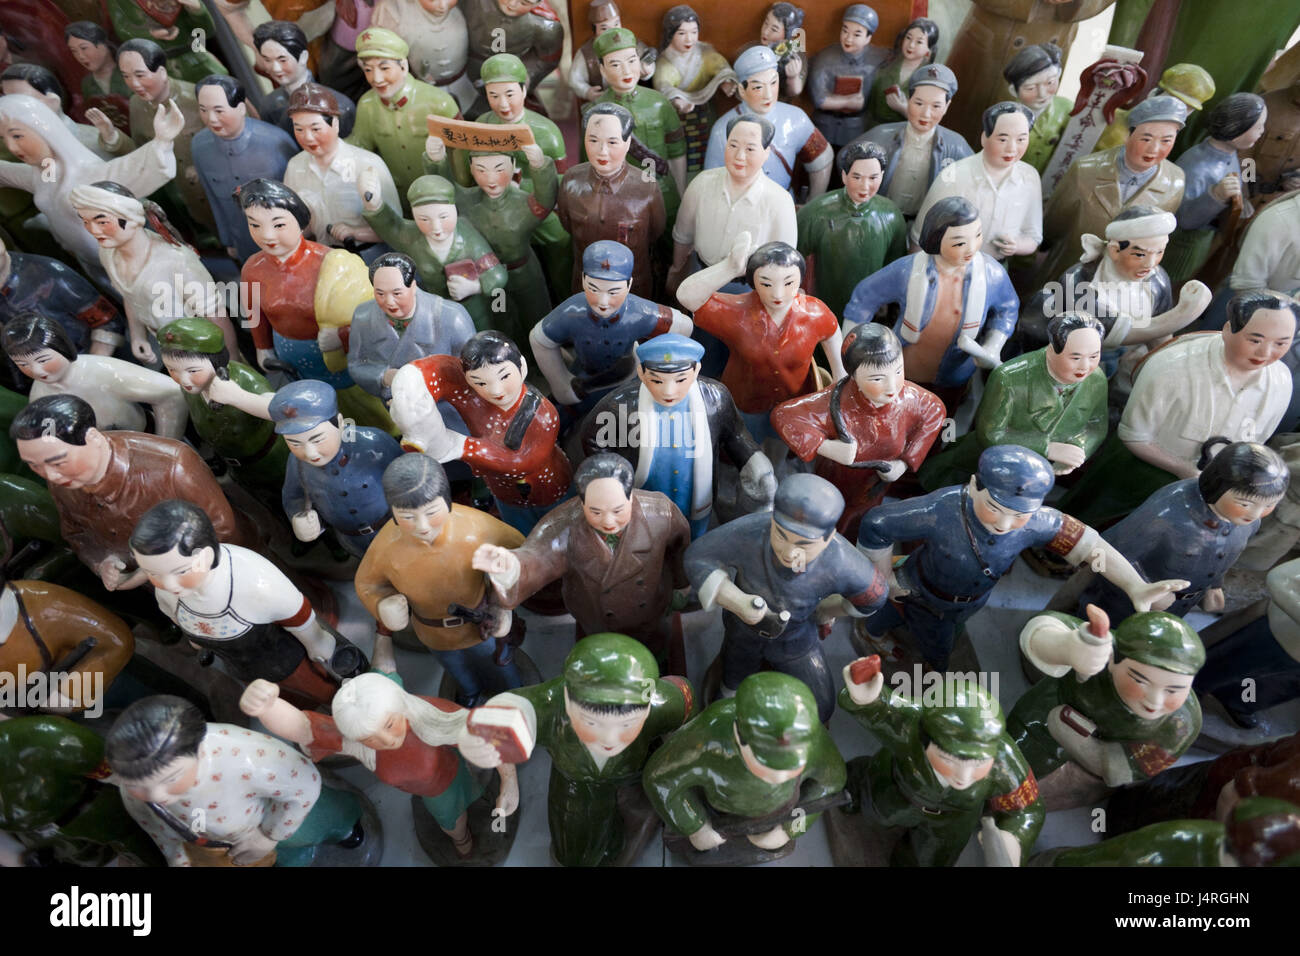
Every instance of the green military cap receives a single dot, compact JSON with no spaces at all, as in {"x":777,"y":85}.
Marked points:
{"x":969,"y":722}
{"x":191,"y":335}
{"x":504,"y":68}
{"x":376,"y":41}
{"x":1161,"y":640}
{"x":620,"y":38}
{"x":430,"y":189}
{"x":610,"y":669}
{"x":776,"y":716}
{"x":1190,"y":83}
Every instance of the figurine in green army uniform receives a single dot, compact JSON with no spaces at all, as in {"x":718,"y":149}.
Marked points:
{"x":1125,"y":714}
{"x":194,"y":354}
{"x":758,"y":765}
{"x":392,"y":116}
{"x":946,"y":769}
{"x":598,"y":721}
{"x":507,"y":216}
{"x":452,"y":259}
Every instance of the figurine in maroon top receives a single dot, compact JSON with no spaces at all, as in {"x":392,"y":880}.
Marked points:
{"x":513,"y":429}
{"x":867,"y":429}
{"x":772,"y":332}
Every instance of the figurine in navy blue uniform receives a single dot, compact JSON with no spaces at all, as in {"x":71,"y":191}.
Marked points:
{"x":672,"y":424}
{"x":781,"y":578}
{"x":600,"y":324}
{"x":31,"y":283}
{"x":1196,"y":528}
{"x":334,"y":475}
{"x":970,"y":536}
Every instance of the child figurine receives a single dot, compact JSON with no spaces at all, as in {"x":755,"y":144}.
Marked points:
{"x":1051,"y":401}
{"x":783,"y":33}
{"x":418,"y":572}
{"x":867,"y":429}
{"x":851,"y":232}
{"x":234,"y":602}
{"x":782,"y":578}
{"x":761,"y":756}
{"x":689,"y":72}
{"x":948,"y":768}
{"x":672,"y":425}
{"x":512,"y":429}
{"x":1127,"y":712}
{"x":598,"y":721}
{"x":914,"y":46}
{"x":1034,"y":76}
{"x":439,"y":42}
{"x":220,"y":795}
{"x":115,"y":389}
{"x":947,"y":293}
{"x":527,"y":28}
{"x":842,"y":77}
{"x":406,"y":740}
{"x":32,"y":283}
{"x":584,"y":72}
{"x":282,"y":47}
{"x":617,"y":550}
{"x":452,"y":259}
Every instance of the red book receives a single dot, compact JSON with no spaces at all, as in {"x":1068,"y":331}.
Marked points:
{"x":847,"y":85}
{"x":505,"y":728}
{"x":465,"y":268}
{"x":864,"y":669}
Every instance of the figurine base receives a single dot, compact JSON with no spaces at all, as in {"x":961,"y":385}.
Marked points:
{"x":640,"y":823}
{"x":371,"y":850}
{"x":737,"y":851}
{"x":528,"y":674}
{"x":1070,"y":786}
{"x":492,"y":840}
{"x":1047,"y":565}
{"x":856,"y":841}
{"x":1220,"y":733}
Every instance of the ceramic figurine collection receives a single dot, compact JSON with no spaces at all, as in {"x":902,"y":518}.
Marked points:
{"x":478,"y":313}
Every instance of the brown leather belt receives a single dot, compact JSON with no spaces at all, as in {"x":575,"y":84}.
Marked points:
{"x":439,"y":621}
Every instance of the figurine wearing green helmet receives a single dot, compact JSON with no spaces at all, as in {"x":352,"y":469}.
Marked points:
{"x":1127,"y":711}
{"x":759,"y":765}
{"x":598,"y":721}
{"x":946,"y":768}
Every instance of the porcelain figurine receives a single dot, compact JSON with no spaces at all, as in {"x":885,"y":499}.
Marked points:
{"x":1051,"y":401}
{"x":796,"y":139}
{"x":282,"y":49}
{"x":337,"y":60}
{"x":1034,"y":76}
{"x":419,"y":573}
{"x":527,"y":28}
{"x":55,"y":803}
{"x":452,"y":259}
{"x":690,"y":73}
{"x":220,"y":795}
{"x":868,"y":429}
{"x":103,"y":483}
{"x":842,"y":77}
{"x":1196,"y":528}
{"x":598,"y":721}
{"x":658,"y":127}
{"x":235,"y":603}
{"x":771,"y":332}
{"x":1270,"y":252}
{"x":52,"y":163}
{"x":618,"y":551}
{"x":439,"y":42}
{"x":1127,"y":711}
{"x":507,"y":217}
{"x":1099,"y":186}
{"x":948,"y":293}
{"x":512,"y":428}
{"x":92,"y":48}
{"x":599,"y":326}
{"x":773,"y":615}
{"x":664,"y":422}
{"x":173,"y":24}
{"x":233,"y":149}
{"x":1184,"y":81}
{"x":919,"y":149}
{"x":154,"y":271}
{"x":915,"y":46}
{"x":87,"y":317}
{"x":782,"y":32}
{"x":969,"y":537}
{"x":327,"y":174}
{"x":400,"y":324}
{"x":392,"y":117}
{"x":1277,"y":163}
{"x":1006,"y":191}
{"x":115,"y":389}
{"x":720,"y":204}
{"x":606,"y":198}
{"x":851,"y":232}
{"x":1193,"y":389}
{"x":406,"y":740}
{"x":947,"y":769}
{"x":195,"y":356}
{"x":584,"y":70}
{"x":730,"y":787}
{"x":99,"y":135}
